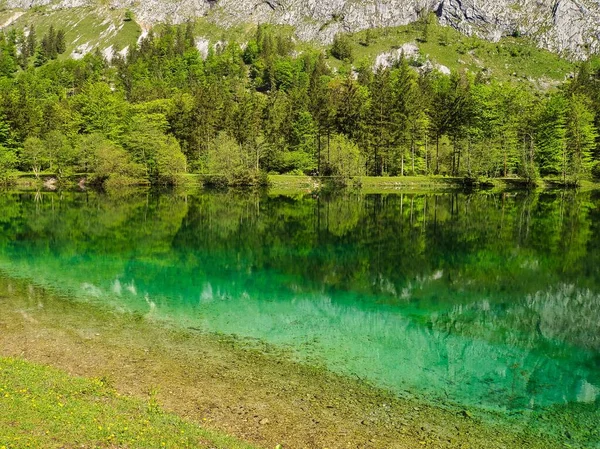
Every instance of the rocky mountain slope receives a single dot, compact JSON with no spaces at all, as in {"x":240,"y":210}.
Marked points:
{"x":571,"y":27}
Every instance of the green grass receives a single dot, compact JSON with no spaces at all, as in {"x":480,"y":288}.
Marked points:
{"x":43,"y":407}
{"x":514,"y":59}
{"x":210,"y":31}
{"x":100,"y":27}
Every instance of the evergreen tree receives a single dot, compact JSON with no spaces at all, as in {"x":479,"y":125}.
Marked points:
{"x":31,"y":41}
{"x":580,"y":138}
{"x":550,"y":137}
{"x":342,"y":48}
{"x":60,"y":45}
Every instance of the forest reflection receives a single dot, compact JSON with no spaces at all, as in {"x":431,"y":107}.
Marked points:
{"x":485,"y":298}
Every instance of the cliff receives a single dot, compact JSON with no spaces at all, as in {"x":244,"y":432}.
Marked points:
{"x":570,"y":27}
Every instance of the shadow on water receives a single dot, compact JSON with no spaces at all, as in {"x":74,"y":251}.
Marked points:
{"x":482,"y":300}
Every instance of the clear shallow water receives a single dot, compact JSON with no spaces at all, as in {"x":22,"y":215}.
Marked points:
{"x":482,"y":301}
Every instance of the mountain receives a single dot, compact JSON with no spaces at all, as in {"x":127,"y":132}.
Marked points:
{"x":569,"y":27}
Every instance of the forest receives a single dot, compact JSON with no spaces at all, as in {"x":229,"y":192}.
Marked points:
{"x":163,"y":108}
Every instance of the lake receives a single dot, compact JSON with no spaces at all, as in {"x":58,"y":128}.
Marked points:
{"x":485,"y":301}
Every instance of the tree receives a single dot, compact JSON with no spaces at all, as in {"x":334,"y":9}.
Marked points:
{"x":228,"y":160}
{"x":8,"y":161}
{"x":34,"y":155}
{"x":320,"y":103}
{"x":380,"y":128}
{"x":31,"y":41}
{"x":247,"y":124}
{"x":424,"y":23}
{"x":342,"y":48}
{"x":303,"y":154}
{"x":110,"y":164}
{"x":8,"y":56}
{"x":60,"y":44}
{"x":61,"y":154}
{"x":150,"y":147}
{"x":225,"y":155}
{"x":170,"y":163}
{"x":346,"y":160}
{"x":49,"y":44}
{"x":102,"y":110}
{"x":550,"y":136}
{"x":493,"y":131}
{"x":580,"y":138}
{"x":409,"y":118}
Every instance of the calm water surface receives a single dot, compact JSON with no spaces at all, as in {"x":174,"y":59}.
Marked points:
{"x":487,"y":301}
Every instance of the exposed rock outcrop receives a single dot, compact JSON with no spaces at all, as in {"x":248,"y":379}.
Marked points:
{"x":568,"y":26}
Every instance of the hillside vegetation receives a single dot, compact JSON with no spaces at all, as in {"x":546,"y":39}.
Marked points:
{"x":414,"y":100}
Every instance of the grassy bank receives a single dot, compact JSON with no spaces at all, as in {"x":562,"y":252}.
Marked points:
{"x":306,"y":184}
{"x":372,"y":184}
{"x":42,"y":407}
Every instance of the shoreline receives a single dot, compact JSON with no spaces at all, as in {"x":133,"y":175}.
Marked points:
{"x":251,"y":392}
{"x":386,"y":184}
{"x":361,"y":184}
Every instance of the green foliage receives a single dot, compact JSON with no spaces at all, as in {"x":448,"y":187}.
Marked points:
{"x":303,"y":152}
{"x":164,"y":109}
{"x":8,"y":161}
{"x":149,"y":146}
{"x":342,"y":48}
{"x":8,"y":55}
{"x":596,"y":170}
{"x":580,"y":136}
{"x":34,"y":155}
{"x":170,"y":162}
{"x":53,"y":44}
{"x":227,"y":159}
{"x":110,"y":164}
{"x":550,"y":138}
{"x":61,"y":154}
{"x":345,"y":158}
{"x":101,"y":110}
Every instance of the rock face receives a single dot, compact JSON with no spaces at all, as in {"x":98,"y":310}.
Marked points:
{"x":568,"y":26}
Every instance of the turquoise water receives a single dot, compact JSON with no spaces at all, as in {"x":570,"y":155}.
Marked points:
{"x":487,"y":301}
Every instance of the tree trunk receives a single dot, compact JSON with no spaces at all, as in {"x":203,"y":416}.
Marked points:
{"x":437,"y":154}
{"x":504,"y":151}
{"x":376,"y":162}
{"x":412,"y":145}
{"x":564,"y":164}
{"x":426,"y":156}
{"x":402,"y":166}
{"x":319,"y":152}
{"x":469,"y":157}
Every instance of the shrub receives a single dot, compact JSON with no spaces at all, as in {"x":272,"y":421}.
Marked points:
{"x":342,"y":48}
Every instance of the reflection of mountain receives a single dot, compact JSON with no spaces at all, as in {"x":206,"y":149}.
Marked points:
{"x":560,"y":315}
{"x":477,"y":299}
{"x":568,"y":314}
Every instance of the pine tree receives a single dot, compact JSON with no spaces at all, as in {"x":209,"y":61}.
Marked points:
{"x":31,"y":41}
{"x":550,"y":137}
{"x":342,"y":48}
{"x":60,"y":44}
{"x":381,"y":128}
{"x":580,"y":138}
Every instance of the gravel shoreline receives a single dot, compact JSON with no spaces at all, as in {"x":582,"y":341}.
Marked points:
{"x":253,"y":392}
